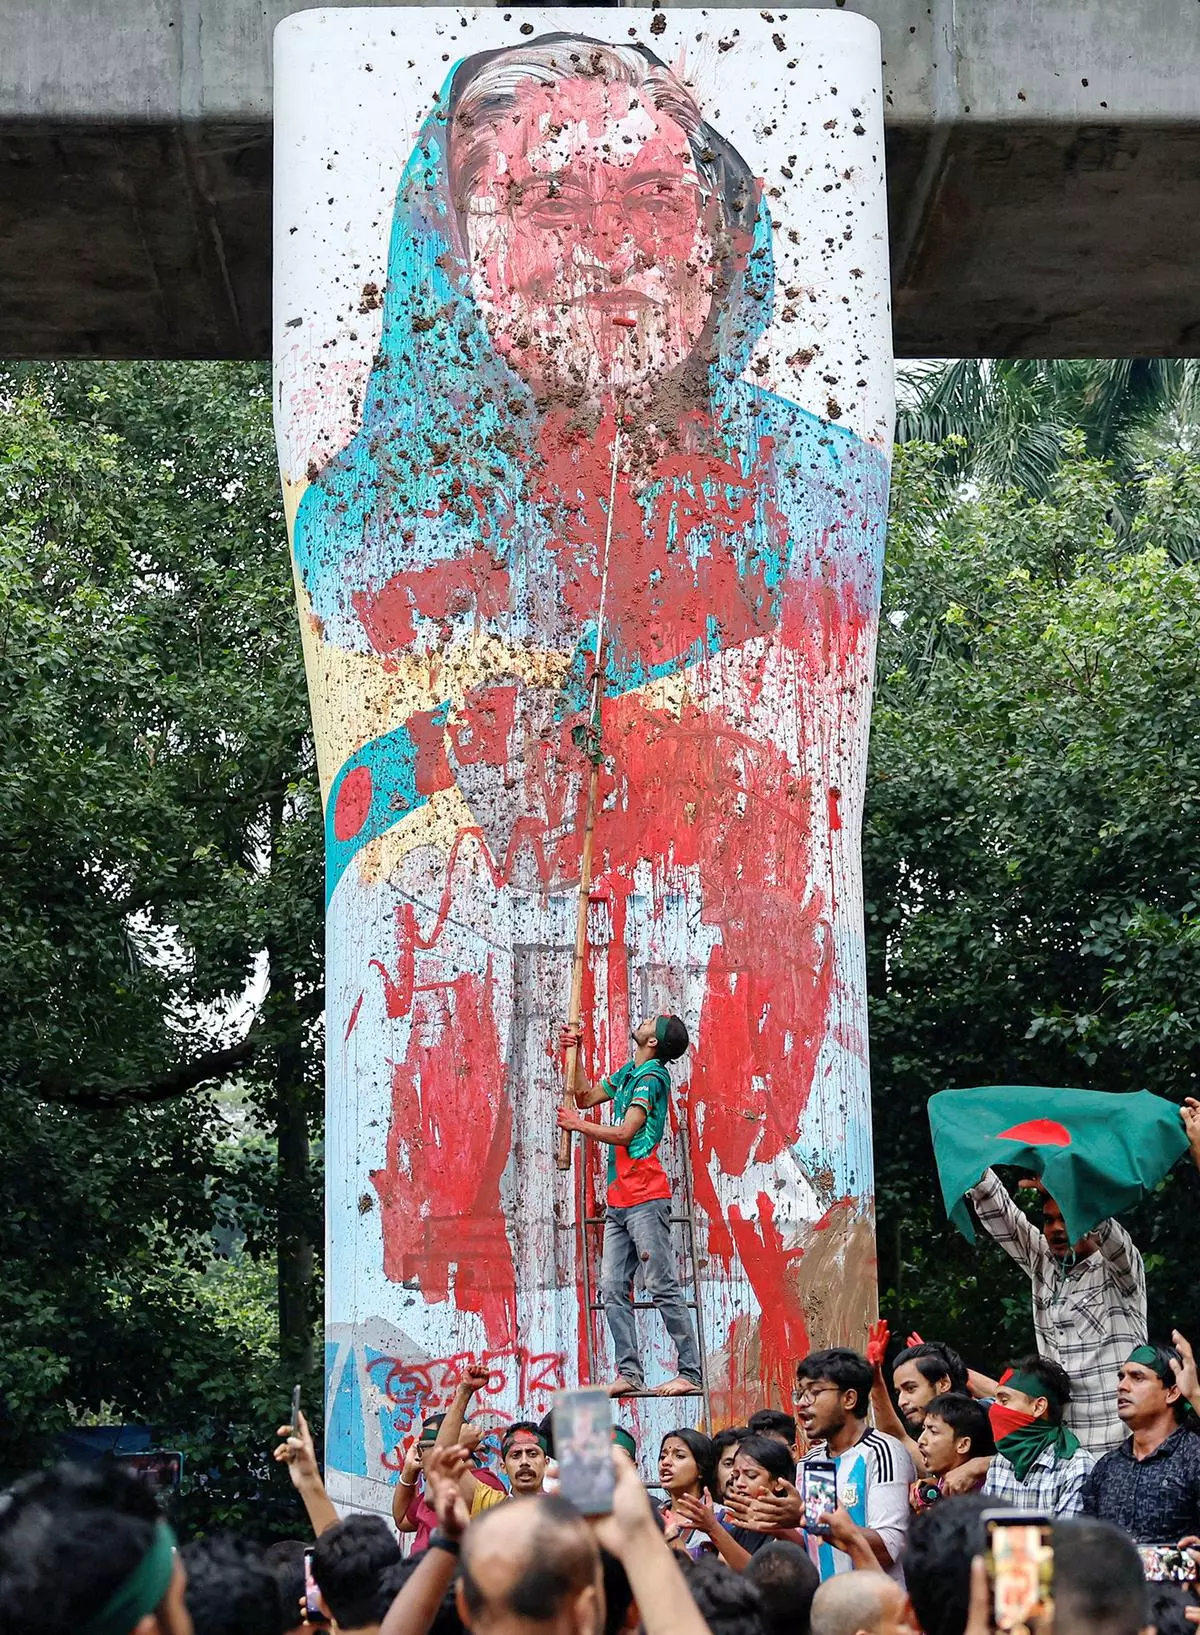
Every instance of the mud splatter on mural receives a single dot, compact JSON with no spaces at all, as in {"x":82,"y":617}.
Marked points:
{"x":561,"y":293}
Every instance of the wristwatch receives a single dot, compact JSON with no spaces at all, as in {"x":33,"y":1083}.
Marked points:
{"x":441,"y":1541}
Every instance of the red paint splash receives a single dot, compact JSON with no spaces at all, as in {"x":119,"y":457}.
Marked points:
{"x":353,"y":802}
{"x":448,"y":1143}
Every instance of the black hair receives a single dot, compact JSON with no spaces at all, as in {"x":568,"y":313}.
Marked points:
{"x":965,"y":1417}
{"x":393,"y":1579}
{"x":847,"y":1369}
{"x":942,"y":1542}
{"x":786,"y":1580}
{"x":770,"y":1453}
{"x":347,"y":1561}
{"x":1166,"y":1608}
{"x":701,"y":1449}
{"x":510,"y":1431}
{"x":285,"y":1558}
{"x":69,"y":1538}
{"x":1054,"y":1380}
{"x":724,"y":1439}
{"x":935,"y":1362}
{"x":231,"y":1590}
{"x":1099,"y":1585}
{"x":674,"y":1040}
{"x":618,"y":1592}
{"x":727,"y":1601}
{"x":772,"y":1422}
{"x":545,"y":1430}
{"x":561,"y":1561}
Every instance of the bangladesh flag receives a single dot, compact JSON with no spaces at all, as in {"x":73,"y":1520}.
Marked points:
{"x":1096,"y":1151}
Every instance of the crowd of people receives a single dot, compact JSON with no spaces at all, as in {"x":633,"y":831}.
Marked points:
{"x":862,"y":1513}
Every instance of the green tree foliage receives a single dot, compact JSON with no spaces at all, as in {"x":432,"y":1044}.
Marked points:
{"x":1030,"y":847}
{"x":160,"y":892}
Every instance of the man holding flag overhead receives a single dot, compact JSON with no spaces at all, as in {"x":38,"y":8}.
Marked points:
{"x":1096,"y":1153}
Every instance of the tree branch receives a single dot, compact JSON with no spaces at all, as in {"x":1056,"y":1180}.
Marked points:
{"x":179,"y":1081}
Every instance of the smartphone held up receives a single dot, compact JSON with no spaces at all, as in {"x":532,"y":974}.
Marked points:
{"x":583,"y":1449}
{"x":1020,"y":1564}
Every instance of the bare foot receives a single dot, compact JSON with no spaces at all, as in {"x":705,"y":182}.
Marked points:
{"x":621,"y":1387}
{"x":678,"y":1387}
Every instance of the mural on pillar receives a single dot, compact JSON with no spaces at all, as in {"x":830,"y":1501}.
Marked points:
{"x":561,"y":293}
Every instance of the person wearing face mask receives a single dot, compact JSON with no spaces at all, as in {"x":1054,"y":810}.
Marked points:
{"x":637,"y":1222}
{"x":1089,"y":1299}
{"x":1039,"y":1464}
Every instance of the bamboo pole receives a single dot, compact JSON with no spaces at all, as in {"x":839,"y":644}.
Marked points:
{"x":575,"y":1006}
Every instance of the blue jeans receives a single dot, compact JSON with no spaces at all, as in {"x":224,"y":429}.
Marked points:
{"x":641,"y":1236}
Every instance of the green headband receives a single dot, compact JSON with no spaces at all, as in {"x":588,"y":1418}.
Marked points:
{"x":1029,"y":1385}
{"x":142,"y":1590}
{"x":660,"y":1028}
{"x":1148,"y":1356}
{"x":623,"y":1439}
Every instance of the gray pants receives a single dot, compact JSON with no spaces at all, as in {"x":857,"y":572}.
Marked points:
{"x":641,"y":1236}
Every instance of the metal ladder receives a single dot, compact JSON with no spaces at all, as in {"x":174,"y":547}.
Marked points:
{"x":591,"y":1234}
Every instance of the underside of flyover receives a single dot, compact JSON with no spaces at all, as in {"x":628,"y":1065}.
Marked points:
{"x":1044,"y":177}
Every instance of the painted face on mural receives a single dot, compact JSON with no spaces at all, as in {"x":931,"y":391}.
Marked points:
{"x":590,"y":236}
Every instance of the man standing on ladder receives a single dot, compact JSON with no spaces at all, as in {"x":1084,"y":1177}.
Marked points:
{"x":637,"y":1226}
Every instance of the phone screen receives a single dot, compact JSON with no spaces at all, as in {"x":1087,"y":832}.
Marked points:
{"x":1167,"y":1564}
{"x":818,"y":1491}
{"x":313,"y":1611}
{"x":1021,"y":1572}
{"x":583,"y":1449}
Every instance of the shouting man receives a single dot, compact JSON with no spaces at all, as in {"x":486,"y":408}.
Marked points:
{"x":637,"y":1227}
{"x":1089,"y":1300}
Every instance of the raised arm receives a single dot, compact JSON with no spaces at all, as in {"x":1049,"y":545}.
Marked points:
{"x":405,"y":1490}
{"x":631,"y":1534}
{"x":450,"y":1430}
{"x":585,"y":1094}
{"x":1002,"y":1220}
{"x":882,"y":1408}
{"x":1124,"y":1258}
{"x":300,"y":1457}
{"x":415,"y":1608}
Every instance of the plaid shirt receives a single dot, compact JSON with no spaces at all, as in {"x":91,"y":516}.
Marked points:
{"x":1053,"y":1485}
{"x":1087,"y":1317}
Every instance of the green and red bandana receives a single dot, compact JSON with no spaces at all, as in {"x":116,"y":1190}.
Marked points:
{"x":1097,"y":1152}
{"x":1021,"y":1437}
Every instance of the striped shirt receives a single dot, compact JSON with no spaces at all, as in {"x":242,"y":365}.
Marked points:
{"x":1087,"y":1317}
{"x":1053,"y":1485}
{"x":873,"y":1479}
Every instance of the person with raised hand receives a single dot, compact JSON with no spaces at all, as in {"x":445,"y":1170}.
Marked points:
{"x":299,"y":1454}
{"x":923,"y":1371}
{"x":414,"y":1609}
{"x":631,"y":1534}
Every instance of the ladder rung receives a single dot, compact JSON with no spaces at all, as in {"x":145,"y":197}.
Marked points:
{"x":639,"y":1305}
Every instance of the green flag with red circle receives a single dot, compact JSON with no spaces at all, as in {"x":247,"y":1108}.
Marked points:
{"x":1096,"y":1151}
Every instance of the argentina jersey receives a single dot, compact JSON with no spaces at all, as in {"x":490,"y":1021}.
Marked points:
{"x":873,"y":1479}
